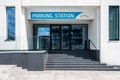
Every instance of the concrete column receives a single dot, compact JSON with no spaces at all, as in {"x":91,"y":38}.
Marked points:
{"x":104,"y":31}
{"x":18,"y":27}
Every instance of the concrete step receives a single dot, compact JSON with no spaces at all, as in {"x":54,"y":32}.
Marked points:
{"x":6,"y":76}
{"x":15,"y":69}
{"x":59,"y":56}
{"x":78,"y":66}
{"x":75,"y":60}
{"x":86,"y":57}
{"x":6,"y":67}
{"x":74,"y":64}
{"x":73,"y":54}
{"x":85,"y":69}
{"x":65,"y":58}
{"x":70,"y":61}
{"x":66,"y":54}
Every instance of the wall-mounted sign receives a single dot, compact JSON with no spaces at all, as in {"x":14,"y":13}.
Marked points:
{"x":53,"y":15}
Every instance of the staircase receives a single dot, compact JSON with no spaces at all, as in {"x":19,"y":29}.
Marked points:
{"x":73,"y":60}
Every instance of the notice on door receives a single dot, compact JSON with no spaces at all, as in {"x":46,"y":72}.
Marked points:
{"x":53,"y":15}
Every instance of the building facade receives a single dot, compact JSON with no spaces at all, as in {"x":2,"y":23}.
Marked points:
{"x":49,"y":24}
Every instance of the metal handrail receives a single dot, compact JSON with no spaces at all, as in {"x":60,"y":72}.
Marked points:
{"x":92,"y":44}
{"x":97,"y":55}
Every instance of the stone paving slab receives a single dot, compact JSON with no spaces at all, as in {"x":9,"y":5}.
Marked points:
{"x":71,"y":75}
{"x":21,"y":74}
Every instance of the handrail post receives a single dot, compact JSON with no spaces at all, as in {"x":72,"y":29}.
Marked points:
{"x":87,"y":44}
{"x":97,"y":53}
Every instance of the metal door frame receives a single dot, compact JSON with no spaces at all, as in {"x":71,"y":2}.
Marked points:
{"x":35,"y":28}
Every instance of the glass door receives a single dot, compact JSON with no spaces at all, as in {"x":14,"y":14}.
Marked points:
{"x":59,"y":37}
{"x":65,"y":40}
{"x":43,"y":38}
{"x":55,"y":37}
{"x":77,"y":37}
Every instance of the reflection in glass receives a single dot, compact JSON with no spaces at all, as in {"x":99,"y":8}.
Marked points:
{"x":55,"y":35}
{"x":65,"y":37}
{"x":114,"y":23}
{"x":77,"y":37}
{"x":11,"y":22}
{"x":43,"y":38}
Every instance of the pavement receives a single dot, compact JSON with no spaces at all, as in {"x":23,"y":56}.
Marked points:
{"x":12,"y":72}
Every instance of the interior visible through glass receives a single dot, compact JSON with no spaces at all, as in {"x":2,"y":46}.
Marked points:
{"x":55,"y":37}
{"x":43,"y":38}
{"x":60,"y":37}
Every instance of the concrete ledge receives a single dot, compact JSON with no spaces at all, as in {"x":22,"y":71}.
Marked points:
{"x":31,"y":60}
{"x":44,"y":51}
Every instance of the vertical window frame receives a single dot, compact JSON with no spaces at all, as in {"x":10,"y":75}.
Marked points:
{"x":118,"y":24}
{"x":7,"y":22}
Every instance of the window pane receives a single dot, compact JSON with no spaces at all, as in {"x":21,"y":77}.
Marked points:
{"x":113,"y":23}
{"x":11,"y":22}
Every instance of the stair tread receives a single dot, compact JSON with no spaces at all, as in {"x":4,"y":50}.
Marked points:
{"x":101,"y":69}
{"x":65,"y":58}
{"x":69,"y":60}
{"x":74,"y":60}
{"x":74,"y":64}
{"x":87,"y":61}
{"x":77,"y":66}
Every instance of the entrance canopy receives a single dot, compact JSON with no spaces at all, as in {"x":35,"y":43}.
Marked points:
{"x":62,"y":16}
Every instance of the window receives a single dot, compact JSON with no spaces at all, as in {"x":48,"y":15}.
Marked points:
{"x":114,"y":23}
{"x":11,"y":22}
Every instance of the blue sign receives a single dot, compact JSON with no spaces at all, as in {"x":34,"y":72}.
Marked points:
{"x":53,"y":15}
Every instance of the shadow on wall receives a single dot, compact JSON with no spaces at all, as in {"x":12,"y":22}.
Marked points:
{"x":30,"y":60}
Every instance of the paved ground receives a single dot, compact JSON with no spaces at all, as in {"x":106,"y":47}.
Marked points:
{"x":16,"y":73}
{"x":71,"y":75}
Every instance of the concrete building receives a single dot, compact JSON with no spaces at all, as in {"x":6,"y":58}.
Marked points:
{"x":61,"y":25}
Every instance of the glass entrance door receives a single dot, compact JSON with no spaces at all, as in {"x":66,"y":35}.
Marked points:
{"x":78,"y":37}
{"x":55,"y":37}
{"x":65,"y":40}
{"x":60,"y":37}
{"x":41,"y":40}
{"x":71,"y":37}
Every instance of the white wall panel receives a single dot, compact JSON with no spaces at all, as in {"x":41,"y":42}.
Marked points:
{"x":61,"y":2}
{"x":109,"y":50}
{"x":10,"y":2}
{"x":9,"y":45}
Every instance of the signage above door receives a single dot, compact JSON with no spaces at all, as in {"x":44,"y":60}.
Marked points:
{"x":53,"y":15}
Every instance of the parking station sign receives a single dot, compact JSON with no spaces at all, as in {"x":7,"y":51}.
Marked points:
{"x":53,"y":15}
